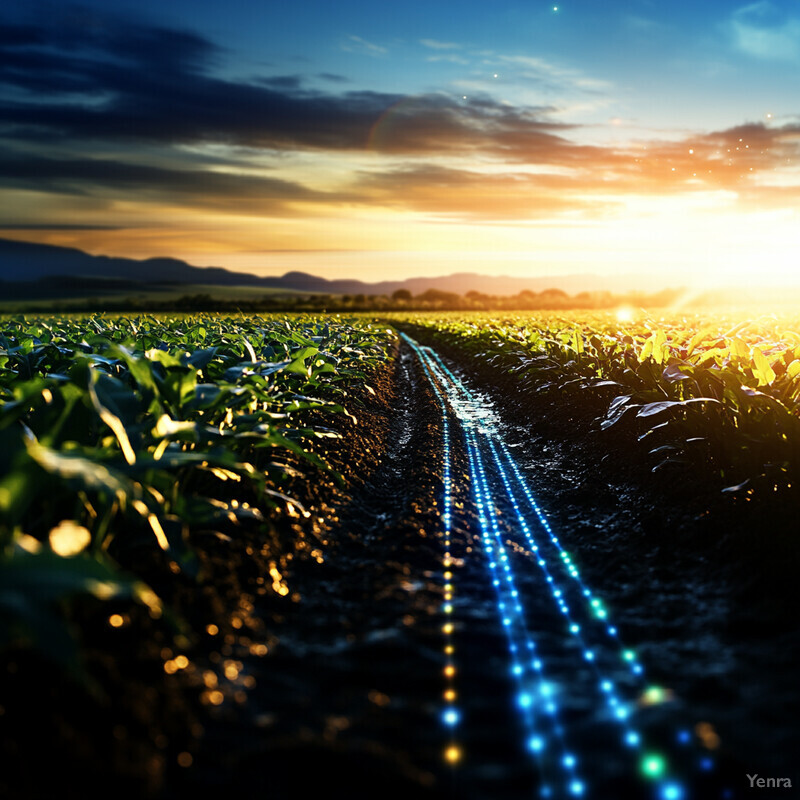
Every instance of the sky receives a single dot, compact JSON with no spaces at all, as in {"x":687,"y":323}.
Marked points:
{"x":654,"y":141}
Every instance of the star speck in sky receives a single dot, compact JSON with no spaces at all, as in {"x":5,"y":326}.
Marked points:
{"x":340,"y":137}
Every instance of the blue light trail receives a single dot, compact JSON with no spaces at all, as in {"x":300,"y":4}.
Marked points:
{"x":595,"y":637}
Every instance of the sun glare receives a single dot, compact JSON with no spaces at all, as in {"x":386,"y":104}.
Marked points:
{"x":625,"y":314}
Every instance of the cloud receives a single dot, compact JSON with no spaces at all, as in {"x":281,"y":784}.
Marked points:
{"x":131,"y":182}
{"x":115,"y":94}
{"x":26,"y":226}
{"x":760,"y":31}
{"x":552,"y":75}
{"x":474,"y":195}
{"x":434,"y":44}
{"x":448,"y":57}
{"x":355,"y":44}
{"x":91,"y":114}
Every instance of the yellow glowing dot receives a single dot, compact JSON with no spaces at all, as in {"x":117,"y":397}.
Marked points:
{"x":448,"y":587}
{"x":452,"y":755}
{"x":448,"y":575}
{"x":449,"y":650}
{"x":181,"y":662}
{"x":210,"y":679}
{"x":170,"y":667}
{"x":69,"y":538}
{"x":447,"y":562}
{"x":212,"y":630}
{"x":448,"y":596}
{"x":448,"y":609}
{"x":215,"y":698}
{"x":449,"y":671}
{"x":116,"y":621}
{"x":450,"y":695}
{"x":691,"y":152}
{"x":448,"y":628}
{"x":185,"y":759}
{"x":231,"y":672}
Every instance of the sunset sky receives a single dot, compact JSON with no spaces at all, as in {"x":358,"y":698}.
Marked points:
{"x":352,"y":139}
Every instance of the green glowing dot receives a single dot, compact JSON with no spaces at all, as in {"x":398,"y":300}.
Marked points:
{"x":629,"y":655}
{"x":653,"y":765}
{"x":595,"y":603}
{"x":654,"y":695}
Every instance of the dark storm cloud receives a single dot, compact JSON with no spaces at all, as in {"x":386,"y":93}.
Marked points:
{"x":110,"y":80}
{"x":84,"y":176}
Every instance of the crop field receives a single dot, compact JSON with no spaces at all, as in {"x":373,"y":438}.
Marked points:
{"x":463,"y":555}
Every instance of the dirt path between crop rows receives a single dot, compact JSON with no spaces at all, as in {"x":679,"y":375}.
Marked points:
{"x":353,"y":692}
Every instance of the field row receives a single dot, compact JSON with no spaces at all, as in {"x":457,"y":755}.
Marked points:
{"x":125,"y":442}
{"x":709,"y":391}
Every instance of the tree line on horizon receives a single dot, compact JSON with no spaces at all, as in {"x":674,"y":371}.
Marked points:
{"x":400,"y":300}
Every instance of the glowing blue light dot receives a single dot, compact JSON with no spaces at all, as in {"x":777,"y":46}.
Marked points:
{"x":450,"y":717}
{"x":576,"y":788}
{"x":506,"y":621}
{"x":536,"y":744}
{"x":637,"y":668}
{"x":587,"y":593}
{"x":632,"y":739}
{"x":537,"y":664}
{"x":569,"y":761}
{"x":672,"y":791}
{"x":684,"y":737}
{"x":589,"y":655}
{"x":517,"y":669}
{"x":706,"y":764}
{"x":574,"y":628}
{"x":551,"y":708}
{"x":612,"y":631}
{"x":525,"y":700}
{"x":621,"y":713}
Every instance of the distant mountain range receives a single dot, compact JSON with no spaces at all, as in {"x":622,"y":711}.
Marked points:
{"x":42,"y":264}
